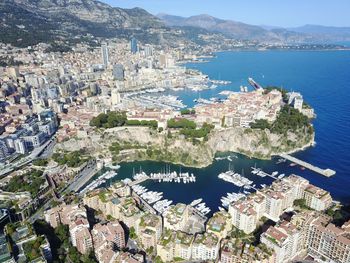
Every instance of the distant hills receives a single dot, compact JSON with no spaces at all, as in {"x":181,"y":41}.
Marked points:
{"x":305,"y":34}
{"x":337,"y":33}
{"x":28,"y":22}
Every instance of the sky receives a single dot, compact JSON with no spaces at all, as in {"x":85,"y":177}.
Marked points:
{"x":284,"y":13}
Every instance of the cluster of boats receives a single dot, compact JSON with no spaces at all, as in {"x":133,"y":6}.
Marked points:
{"x":235,"y":178}
{"x":230,"y":198}
{"x":229,"y":158}
{"x":140,"y":176}
{"x":152,"y":198}
{"x":162,"y":205}
{"x":99,"y":181}
{"x":261,"y":173}
{"x":221,"y":82}
{"x":200,"y":207}
{"x":174,"y":176}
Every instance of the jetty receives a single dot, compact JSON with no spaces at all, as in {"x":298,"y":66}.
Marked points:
{"x":324,"y":172}
{"x":139,"y":181}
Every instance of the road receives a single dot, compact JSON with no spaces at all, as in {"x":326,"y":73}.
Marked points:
{"x":31,"y":157}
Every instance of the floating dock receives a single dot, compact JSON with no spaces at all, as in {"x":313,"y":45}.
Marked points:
{"x":324,"y":172}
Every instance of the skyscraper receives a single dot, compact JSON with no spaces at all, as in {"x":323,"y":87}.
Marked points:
{"x":118,"y":72}
{"x":104,"y":51}
{"x":133,"y":45}
{"x":148,"y":51}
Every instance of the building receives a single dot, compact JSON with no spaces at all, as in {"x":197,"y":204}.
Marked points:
{"x":205,"y":247}
{"x":245,"y":213}
{"x":165,"y":246}
{"x":285,"y":239}
{"x":219,"y":224}
{"x":183,"y":245}
{"x":149,"y":230}
{"x":83,"y":240}
{"x":76,"y":227}
{"x":329,"y":242}
{"x":105,"y":55}
{"x":5,"y":254}
{"x":118,"y":72}
{"x":176,"y":217}
{"x":4,"y":150}
{"x":133,"y":45}
{"x":296,"y":100}
{"x":236,"y":251}
{"x":317,"y":198}
{"x":106,"y":239}
{"x":111,"y":232}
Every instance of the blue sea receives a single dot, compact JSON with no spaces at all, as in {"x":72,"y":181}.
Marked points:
{"x":323,"y":77}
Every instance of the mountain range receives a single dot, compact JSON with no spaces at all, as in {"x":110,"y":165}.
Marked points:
{"x":28,"y":22}
{"x":32,"y":21}
{"x":304,"y":34}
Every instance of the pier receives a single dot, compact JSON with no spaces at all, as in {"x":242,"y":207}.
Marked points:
{"x":264,"y":173}
{"x":324,"y":172}
{"x":139,"y":181}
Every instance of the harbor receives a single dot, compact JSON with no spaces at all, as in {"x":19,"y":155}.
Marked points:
{"x":167,"y":181}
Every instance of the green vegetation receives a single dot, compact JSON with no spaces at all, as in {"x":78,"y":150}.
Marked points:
{"x":109,"y":120}
{"x":32,"y":248}
{"x":301,"y":203}
{"x":103,"y":196}
{"x":339,"y":214}
{"x":260,"y":124}
{"x":61,"y":247}
{"x":288,"y":119}
{"x":188,"y":128}
{"x":116,"y":147}
{"x":152,"y":124}
{"x":40,"y":162}
{"x":181,"y":123}
{"x":188,"y":112}
{"x":30,"y":182}
{"x":72,"y":159}
{"x":158,"y":260}
{"x":198,"y":133}
{"x":132,"y":233}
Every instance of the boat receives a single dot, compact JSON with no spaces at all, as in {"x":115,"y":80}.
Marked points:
{"x":281,"y":176}
{"x":274,"y":173}
{"x":263,"y":185}
{"x":281,"y":160}
{"x":196,"y":202}
{"x":113,"y":167}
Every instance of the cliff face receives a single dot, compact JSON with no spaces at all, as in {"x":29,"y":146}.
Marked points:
{"x":146,"y":144}
{"x":258,"y":143}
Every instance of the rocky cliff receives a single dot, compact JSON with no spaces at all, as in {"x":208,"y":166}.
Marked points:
{"x":138,"y":143}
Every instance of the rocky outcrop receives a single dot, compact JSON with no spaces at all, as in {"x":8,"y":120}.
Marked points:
{"x":147,"y":144}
